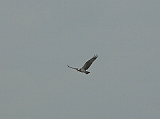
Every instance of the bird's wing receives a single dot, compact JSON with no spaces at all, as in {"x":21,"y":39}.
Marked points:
{"x":72,"y":67}
{"x":89,"y":62}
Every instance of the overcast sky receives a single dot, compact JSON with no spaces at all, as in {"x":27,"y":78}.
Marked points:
{"x":39,"y":38}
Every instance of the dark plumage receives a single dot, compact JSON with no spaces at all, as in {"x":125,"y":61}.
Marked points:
{"x":86,"y":65}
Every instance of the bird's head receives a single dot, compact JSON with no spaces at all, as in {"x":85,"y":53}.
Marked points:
{"x":79,"y":69}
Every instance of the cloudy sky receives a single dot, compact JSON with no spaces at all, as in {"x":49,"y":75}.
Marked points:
{"x":39,"y":38}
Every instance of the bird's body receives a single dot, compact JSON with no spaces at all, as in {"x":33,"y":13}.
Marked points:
{"x":86,"y":65}
{"x":83,"y":71}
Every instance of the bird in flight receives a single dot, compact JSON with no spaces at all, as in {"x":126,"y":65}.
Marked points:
{"x":86,"y":65}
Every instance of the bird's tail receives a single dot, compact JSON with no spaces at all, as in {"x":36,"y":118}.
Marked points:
{"x":87,"y":72}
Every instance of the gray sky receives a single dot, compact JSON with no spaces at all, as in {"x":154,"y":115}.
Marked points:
{"x":39,"y":38}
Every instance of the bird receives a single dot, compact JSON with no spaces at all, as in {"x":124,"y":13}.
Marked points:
{"x":86,"y":65}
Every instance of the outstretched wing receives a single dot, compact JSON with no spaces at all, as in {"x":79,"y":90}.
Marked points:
{"x":89,"y":62}
{"x":72,"y":67}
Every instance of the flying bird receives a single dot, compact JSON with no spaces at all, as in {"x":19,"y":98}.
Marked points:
{"x":86,"y":65}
